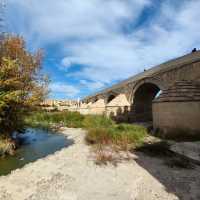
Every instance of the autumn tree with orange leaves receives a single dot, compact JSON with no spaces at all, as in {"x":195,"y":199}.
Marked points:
{"x":22,"y":85}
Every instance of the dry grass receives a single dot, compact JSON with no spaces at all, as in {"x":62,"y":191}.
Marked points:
{"x":103,"y":157}
{"x":109,"y":154}
{"x":7,"y":147}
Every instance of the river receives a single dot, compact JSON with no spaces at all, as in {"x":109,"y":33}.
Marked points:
{"x":36,"y":144}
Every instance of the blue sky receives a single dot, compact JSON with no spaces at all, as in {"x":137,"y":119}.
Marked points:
{"x":92,"y":44}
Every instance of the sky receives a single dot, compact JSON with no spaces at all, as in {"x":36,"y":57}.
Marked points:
{"x":92,"y":44}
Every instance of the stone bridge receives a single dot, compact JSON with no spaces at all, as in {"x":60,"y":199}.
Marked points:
{"x":133,"y":97}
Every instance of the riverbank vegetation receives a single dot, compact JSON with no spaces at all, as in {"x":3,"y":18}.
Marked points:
{"x":100,"y":129}
{"x":49,"y":120}
{"x":22,"y":87}
{"x":102,"y":133}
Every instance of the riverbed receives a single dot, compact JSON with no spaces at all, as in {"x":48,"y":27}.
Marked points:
{"x":71,"y":174}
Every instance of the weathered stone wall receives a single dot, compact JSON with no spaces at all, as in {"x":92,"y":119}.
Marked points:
{"x":83,"y":111}
{"x":164,"y":75}
{"x":185,"y":72}
{"x":116,"y":110}
{"x":175,"y":117}
{"x":177,"y":109}
{"x":119,"y":113}
{"x":97,"y":110}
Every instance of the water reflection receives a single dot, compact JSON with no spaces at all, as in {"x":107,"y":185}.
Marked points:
{"x":36,"y":144}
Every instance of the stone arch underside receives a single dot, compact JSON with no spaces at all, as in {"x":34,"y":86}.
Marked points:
{"x":110,"y":98}
{"x":142,"y":102}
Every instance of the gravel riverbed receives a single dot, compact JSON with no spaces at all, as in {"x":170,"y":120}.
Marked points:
{"x":71,"y":174}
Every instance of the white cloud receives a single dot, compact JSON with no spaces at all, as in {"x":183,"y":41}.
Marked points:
{"x":170,"y":34}
{"x":64,"y":89}
{"x":67,"y":62}
{"x":63,"y":19}
{"x":91,"y":34}
{"x":92,"y":85}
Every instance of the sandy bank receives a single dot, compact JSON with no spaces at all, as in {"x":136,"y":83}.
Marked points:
{"x":71,"y":174}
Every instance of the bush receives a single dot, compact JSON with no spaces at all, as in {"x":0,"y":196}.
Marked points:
{"x":121,"y":135}
{"x":22,"y":85}
{"x":95,"y":121}
{"x":100,"y":129}
{"x":132,"y":133}
{"x":45,"y":119}
{"x":98,"y":136}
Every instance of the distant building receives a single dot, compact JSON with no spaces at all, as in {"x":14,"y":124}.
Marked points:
{"x":51,"y":104}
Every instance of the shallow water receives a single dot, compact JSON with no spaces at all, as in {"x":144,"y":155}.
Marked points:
{"x":36,"y":144}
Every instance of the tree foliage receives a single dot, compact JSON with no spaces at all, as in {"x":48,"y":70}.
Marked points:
{"x":22,"y":85}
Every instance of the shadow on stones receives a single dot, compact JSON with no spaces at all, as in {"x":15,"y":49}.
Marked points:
{"x":177,"y":174}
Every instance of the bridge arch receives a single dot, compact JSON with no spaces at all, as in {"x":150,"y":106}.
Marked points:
{"x":110,"y":97}
{"x":93,"y":100}
{"x":143,"y":95}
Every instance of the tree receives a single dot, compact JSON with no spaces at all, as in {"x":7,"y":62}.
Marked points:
{"x":22,"y":85}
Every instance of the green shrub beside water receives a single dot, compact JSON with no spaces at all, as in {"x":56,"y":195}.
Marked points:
{"x":120,"y":135}
{"x":95,"y":121}
{"x":46,"y":120}
{"x":100,"y":129}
